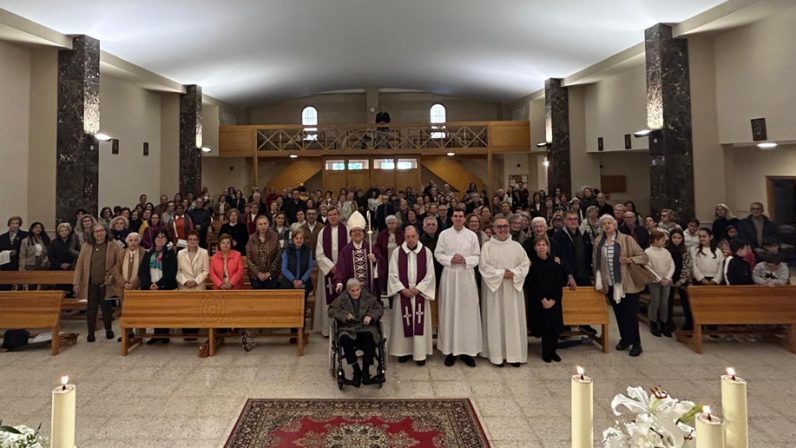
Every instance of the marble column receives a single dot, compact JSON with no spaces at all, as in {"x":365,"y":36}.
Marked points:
{"x":556,"y":99}
{"x":191,"y":140}
{"x":77,"y":166}
{"x":669,"y":115}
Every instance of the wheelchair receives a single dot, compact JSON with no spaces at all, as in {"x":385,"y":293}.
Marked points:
{"x":336,"y":357}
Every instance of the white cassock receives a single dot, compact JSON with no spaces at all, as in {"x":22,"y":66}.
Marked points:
{"x":419,"y":346}
{"x":320,"y":318}
{"x":503,"y":304}
{"x":459,"y":323}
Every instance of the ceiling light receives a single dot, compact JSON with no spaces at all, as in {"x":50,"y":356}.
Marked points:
{"x":642,"y":133}
{"x":542,"y":144}
{"x":767,"y":145}
{"x":103,"y":137}
{"x":207,"y":149}
{"x":294,"y":156}
{"x":546,"y":162}
{"x":451,"y":154}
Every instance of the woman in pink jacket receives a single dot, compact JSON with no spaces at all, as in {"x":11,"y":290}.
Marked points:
{"x":226,"y":266}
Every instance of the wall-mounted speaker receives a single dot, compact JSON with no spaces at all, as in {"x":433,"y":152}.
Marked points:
{"x":759,"y":129}
{"x":146,"y":149}
{"x":115,"y":146}
{"x":628,"y":142}
{"x":600,"y":144}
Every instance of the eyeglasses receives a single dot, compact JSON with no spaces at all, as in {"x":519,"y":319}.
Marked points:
{"x":502,"y":226}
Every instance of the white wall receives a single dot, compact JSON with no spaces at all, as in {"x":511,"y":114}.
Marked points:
{"x":219,"y":173}
{"x":636,"y":167}
{"x":749,"y":170}
{"x":132,"y":115}
{"x":43,"y":131}
{"x":584,"y":165}
{"x":169,"y":144}
{"x":15,"y":76}
{"x":754,"y":77}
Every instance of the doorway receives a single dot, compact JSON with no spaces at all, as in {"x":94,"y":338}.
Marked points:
{"x":781,"y":191}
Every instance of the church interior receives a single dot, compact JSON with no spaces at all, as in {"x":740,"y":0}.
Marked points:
{"x":677,"y":112}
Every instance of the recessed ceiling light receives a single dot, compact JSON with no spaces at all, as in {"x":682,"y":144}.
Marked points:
{"x":294,"y":156}
{"x":206,"y":149}
{"x":541,"y":144}
{"x":103,"y":137}
{"x":642,"y":132}
{"x":451,"y":154}
{"x":767,"y":145}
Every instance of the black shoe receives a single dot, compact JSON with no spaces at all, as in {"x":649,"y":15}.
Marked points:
{"x":635,"y":351}
{"x":501,"y":365}
{"x":655,"y":329}
{"x":109,"y":334}
{"x":666,"y":332}
{"x":588,"y":330}
{"x":688,"y":327}
{"x":357,"y":381}
{"x":546,"y":359}
{"x":515,"y":364}
{"x":367,"y":379}
{"x":555,"y":357}
{"x":621,"y":346}
{"x":468,"y":360}
{"x":403,"y":359}
{"x":421,"y":362}
{"x":450,"y":360}
{"x":90,"y":338}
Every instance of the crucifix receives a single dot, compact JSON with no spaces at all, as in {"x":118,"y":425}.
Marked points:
{"x":329,"y":286}
{"x":408,"y":317}
{"x":419,"y":314}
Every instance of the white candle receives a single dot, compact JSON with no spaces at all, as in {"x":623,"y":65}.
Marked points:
{"x":709,"y":430}
{"x":734,"y":407}
{"x":62,"y":429}
{"x":582,"y":411}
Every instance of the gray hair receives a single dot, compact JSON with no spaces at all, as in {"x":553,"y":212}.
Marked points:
{"x":513,"y":217}
{"x":390,"y":218}
{"x":429,"y":219}
{"x":539,"y":219}
{"x":63,"y":225}
{"x":132,"y":235}
{"x":352,"y":282}
{"x":606,"y":217}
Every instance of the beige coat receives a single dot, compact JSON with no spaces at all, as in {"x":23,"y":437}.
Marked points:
{"x":83,"y":269}
{"x":27,"y":255}
{"x":196,"y":271}
{"x":629,"y":248}
{"x":118,"y":276}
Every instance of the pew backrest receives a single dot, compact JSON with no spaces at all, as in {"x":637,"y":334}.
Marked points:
{"x":741,"y":305}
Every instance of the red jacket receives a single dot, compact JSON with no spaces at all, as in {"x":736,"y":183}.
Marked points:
{"x":235,"y":269}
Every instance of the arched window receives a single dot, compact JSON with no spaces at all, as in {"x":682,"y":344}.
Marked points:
{"x":309,"y":119}
{"x":437,"y":116}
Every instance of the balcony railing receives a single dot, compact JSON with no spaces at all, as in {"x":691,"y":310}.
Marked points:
{"x":478,"y":137}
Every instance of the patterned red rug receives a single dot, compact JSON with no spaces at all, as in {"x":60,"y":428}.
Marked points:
{"x":357,"y":424}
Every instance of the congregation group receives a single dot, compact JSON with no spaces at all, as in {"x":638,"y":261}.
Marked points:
{"x":496,"y":265}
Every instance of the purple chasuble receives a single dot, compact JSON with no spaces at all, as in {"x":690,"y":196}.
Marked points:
{"x":413,"y":320}
{"x":342,"y":240}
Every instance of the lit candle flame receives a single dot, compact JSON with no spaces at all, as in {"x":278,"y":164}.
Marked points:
{"x":580,"y":370}
{"x":706,"y":410}
{"x":64,"y":380}
{"x":731,"y":372}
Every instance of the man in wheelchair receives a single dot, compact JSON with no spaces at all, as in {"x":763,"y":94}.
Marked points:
{"x":356,"y":313}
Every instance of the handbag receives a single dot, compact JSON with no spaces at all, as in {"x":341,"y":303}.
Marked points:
{"x":640,"y":274}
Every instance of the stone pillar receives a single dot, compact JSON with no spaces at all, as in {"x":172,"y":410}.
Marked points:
{"x":77,"y":166}
{"x":669,"y":116}
{"x":191,"y":140}
{"x":556,"y":99}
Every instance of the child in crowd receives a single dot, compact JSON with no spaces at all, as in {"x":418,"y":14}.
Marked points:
{"x":662,"y":265}
{"x":708,"y":259}
{"x":691,"y":234}
{"x":683,"y":266}
{"x":772,"y":271}
{"x":736,"y":269}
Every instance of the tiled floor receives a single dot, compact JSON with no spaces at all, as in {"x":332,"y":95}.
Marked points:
{"x":165,"y":396}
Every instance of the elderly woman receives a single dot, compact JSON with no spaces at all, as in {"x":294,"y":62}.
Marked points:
{"x":193,"y":267}
{"x":83,"y":228}
{"x":33,"y":249}
{"x":120,"y":230}
{"x":614,"y":253}
{"x":263,"y":258}
{"x":128,"y":262}
{"x":237,"y":230}
{"x":158,"y":271}
{"x":64,"y":249}
{"x":226,"y":266}
{"x":356,"y":312}
{"x":92,"y":280}
{"x":590,"y":224}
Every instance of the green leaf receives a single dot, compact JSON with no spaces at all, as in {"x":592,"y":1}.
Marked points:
{"x":689,"y":417}
{"x":10,"y":429}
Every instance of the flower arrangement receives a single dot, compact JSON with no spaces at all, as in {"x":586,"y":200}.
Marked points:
{"x":658,"y":421}
{"x":21,"y":436}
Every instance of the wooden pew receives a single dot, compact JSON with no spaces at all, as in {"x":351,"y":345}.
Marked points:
{"x":49,"y":278}
{"x":211,"y":309}
{"x":32,"y":310}
{"x":740,"y":305}
{"x":586,"y":306}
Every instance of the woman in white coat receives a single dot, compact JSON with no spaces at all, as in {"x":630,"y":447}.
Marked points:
{"x":193,"y":267}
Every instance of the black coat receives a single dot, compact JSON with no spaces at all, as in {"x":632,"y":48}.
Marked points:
{"x":738,"y":272}
{"x":63,"y":252}
{"x":7,"y":244}
{"x":239,"y":234}
{"x":746,"y":227}
{"x":169,"y":279}
{"x":639,"y":234}
{"x":579,"y":269}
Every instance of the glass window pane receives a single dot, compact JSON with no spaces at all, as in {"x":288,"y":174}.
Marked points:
{"x":335,"y":165}
{"x":407,"y":164}
{"x":384,"y":164}
{"x":358,"y":164}
{"x":438,"y":114}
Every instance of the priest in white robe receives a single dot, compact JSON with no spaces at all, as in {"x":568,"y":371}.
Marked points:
{"x":413,"y":283}
{"x":331,"y":240}
{"x":459,"y":330}
{"x":503,"y":266}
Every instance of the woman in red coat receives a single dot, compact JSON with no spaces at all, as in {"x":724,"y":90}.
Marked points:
{"x":226,"y":266}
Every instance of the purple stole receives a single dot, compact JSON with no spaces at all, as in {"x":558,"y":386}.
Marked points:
{"x":412,"y":320}
{"x":342,"y":240}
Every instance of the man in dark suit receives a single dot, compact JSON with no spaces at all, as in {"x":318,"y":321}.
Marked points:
{"x":757,"y":228}
{"x":629,"y":227}
{"x":11,"y":240}
{"x":575,"y":251}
